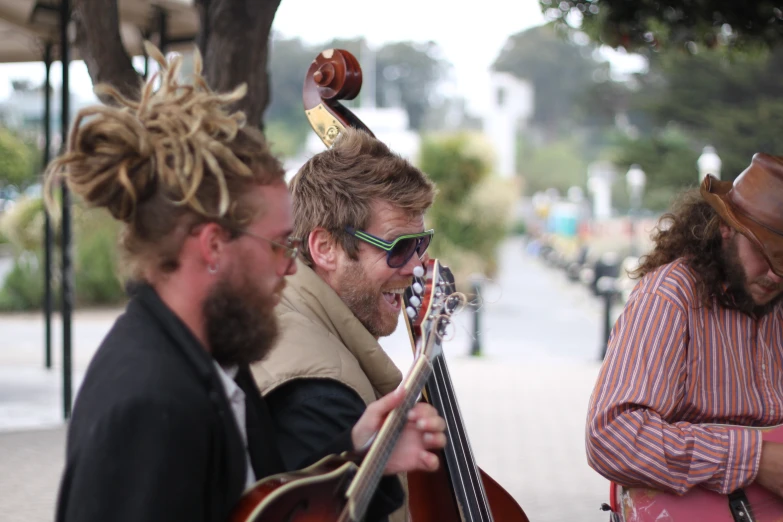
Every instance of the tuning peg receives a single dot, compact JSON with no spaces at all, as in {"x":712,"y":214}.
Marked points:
{"x":418,"y":271}
{"x":411,"y":312}
{"x":417,"y":288}
{"x":415,"y":301}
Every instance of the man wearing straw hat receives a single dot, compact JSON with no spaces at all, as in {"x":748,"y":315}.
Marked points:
{"x":700,"y":344}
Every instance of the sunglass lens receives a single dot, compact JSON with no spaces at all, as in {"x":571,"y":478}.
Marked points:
{"x":402,"y":252}
{"x":424,"y":244}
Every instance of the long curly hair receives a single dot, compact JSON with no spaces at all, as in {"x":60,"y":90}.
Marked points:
{"x":691,"y":230}
{"x":164,"y":164}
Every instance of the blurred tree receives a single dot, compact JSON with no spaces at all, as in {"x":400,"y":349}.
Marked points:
{"x":471,"y":213}
{"x":667,"y":157}
{"x":560,"y":164}
{"x":728,"y":101}
{"x":561,"y":67}
{"x":24,"y":85}
{"x":17,"y":163}
{"x":661,"y":24}
{"x":406,"y":75}
{"x":287,"y":126}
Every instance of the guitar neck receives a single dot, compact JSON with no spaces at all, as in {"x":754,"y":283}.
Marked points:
{"x":369,"y":475}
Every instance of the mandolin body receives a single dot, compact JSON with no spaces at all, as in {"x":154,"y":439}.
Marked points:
{"x":314,"y":494}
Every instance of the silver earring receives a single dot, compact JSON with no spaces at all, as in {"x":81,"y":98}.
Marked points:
{"x":212,"y":269}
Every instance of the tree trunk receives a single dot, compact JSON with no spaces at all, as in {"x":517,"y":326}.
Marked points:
{"x":100,"y":46}
{"x":234,"y":41}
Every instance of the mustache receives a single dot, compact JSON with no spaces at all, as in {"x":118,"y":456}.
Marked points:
{"x":768,"y":284}
{"x":394,"y":286}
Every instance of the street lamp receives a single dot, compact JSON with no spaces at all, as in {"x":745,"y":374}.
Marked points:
{"x":600,"y":176}
{"x":636,"y":179}
{"x":709,"y":163}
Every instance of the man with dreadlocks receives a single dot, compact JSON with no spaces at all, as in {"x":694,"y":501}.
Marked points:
{"x":699,"y":346}
{"x":168,"y":424}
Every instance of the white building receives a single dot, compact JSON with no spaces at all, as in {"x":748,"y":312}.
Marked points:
{"x":509,"y":111}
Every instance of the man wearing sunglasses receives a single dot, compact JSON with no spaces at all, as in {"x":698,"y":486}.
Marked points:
{"x":359,"y":210}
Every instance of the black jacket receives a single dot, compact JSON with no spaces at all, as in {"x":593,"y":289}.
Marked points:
{"x":152,"y":436}
{"x":308,"y":412}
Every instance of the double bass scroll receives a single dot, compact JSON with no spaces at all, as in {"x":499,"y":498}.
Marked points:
{"x":334,"y":75}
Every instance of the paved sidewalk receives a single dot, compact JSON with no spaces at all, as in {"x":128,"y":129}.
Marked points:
{"x":524,"y":401}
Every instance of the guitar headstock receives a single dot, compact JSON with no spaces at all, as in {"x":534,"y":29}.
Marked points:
{"x":429,"y":304}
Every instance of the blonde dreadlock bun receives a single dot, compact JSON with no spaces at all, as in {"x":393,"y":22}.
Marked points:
{"x":172,"y":140}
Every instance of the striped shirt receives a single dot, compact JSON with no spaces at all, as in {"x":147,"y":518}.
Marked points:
{"x":673,"y":369}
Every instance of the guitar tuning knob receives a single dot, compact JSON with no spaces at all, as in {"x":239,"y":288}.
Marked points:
{"x":415,"y":301}
{"x":417,"y":288}
{"x":411,"y":312}
{"x":418,"y":271}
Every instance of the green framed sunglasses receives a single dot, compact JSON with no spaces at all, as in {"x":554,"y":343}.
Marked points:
{"x":401,"y":249}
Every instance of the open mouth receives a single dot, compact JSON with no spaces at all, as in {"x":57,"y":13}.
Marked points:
{"x":394,"y":298}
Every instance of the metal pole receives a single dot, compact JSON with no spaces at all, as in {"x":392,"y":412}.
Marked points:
{"x":636,"y":206}
{"x":163,"y":30}
{"x":67,"y":271}
{"x":146,"y":61}
{"x":47,"y":218}
{"x":607,"y":321}
{"x":475,"y":347}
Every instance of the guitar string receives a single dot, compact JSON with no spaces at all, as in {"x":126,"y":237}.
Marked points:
{"x":368,"y":481}
{"x":365,"y":489}
{"x":471,"y":489}
{"x":468,"y":460}
{"x":473,"y":494}
{"x":456,"y":470}
{"x":460,"y":468}
{"x":478,"y":495}
{"x":765,"y":503}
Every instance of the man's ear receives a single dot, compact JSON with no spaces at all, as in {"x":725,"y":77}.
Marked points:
{"x":726,"y":232}
{"x":323,"y":249}
{"x":212,"y":240}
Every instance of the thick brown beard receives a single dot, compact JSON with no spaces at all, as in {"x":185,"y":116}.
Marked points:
{"x":737,"y":282}
{"x":241,"y":326}
{"x":362,"y":299}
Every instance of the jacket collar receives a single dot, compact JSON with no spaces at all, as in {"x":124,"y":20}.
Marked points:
{"x":307,"y":293}
{"x":146,"y":301}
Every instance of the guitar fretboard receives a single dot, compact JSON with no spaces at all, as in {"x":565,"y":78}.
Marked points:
{"x":368,"y":477}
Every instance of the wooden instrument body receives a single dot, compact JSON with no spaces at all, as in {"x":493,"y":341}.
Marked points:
{"x":432,"y":498}
{"x":638,"y":504}
{"x":308,"y":495}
